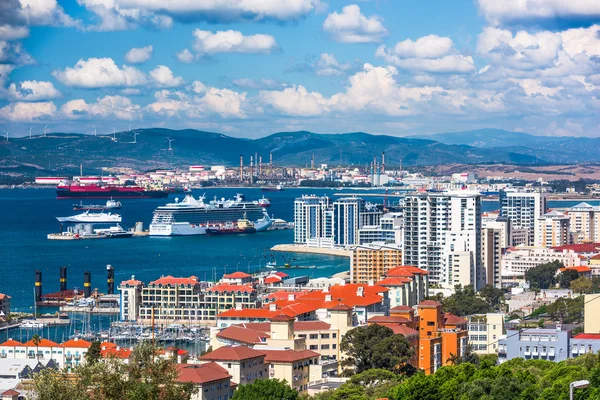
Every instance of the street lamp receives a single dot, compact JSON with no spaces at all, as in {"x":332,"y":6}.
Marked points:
{"x":577,"y":385}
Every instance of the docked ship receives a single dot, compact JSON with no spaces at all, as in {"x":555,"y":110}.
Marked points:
{"x":263,"y":202}
{"x":110,"y":205}
{"x":193,"y":216}
{"x":278,"y":188}
{"x":69,"y":190}
{"x":243,"y":226}
{"x":92,"y":218}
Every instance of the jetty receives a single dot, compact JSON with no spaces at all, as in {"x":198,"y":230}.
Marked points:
{"x":297,"y":248}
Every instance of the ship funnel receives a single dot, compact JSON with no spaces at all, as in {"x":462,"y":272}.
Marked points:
{"x":63,"y":279}
{"x":38,"y":286}
{"x":111,"y":279}
{"x":87,"y":284}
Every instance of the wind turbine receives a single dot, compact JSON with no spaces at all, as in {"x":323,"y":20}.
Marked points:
{"x":135,"y":136}
{"x":170,"y":140}
{"x":114,"y":134}
{"x":6,"y":133}
{"x":45,"y":130}
{"x":29,"y":132}
{"x":94,"y":130}
{"x":129,"y":124}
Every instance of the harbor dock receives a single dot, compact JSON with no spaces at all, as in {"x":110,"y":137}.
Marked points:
{"x":295,"y":248}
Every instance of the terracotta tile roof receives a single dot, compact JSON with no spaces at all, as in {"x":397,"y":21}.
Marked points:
{"x":282,"y":318}
{"x":4,"y":296}
{"x":226,"y":287}
{"x":281,"y":274}
{"x":451,"y":319}
{"x":383,"y":319}
{"x":232,"y":353}
{"x":580,"y":248}
{"x":272,"y":279}
{"x":596,"y":257}
{"x":311,"y":326}
{"x":108,"y":345}
{"x":402,"y":308}
{"x":589,"y":336}
{"x":429,"y":303}
{"x":11,"y":343}
{"x":43,"y":343}
{"x":580,"y":269}
{"x":132,"y":282}
{"x":241,"y":334}
{"x":117,"y":352}
{"x":237,"y":275}
{"x":340,"y":307}
{"x":403,"y":330}
{"x":405,"y":271}
{"x":10,"y":392}
{"x":283,"y":295}
{"x":170,"y":280}
{"x":288,"y":356}
{"x":77,"y":343}
{"x":394,"y":281}
{"x":201,"y":373}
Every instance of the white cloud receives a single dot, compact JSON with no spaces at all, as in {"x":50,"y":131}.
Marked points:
{"x":139,"y":55}
{"x":328,"y":65}
{"x":430,"y":53}
{"x":42,"y":12}
{"x":32,"y":91}
{"x":231,"y":41}
{"x":100,"y":72}
{"x":535,"y":11}
{"x":295,"y":101}
{"x":225,"y":102}
{"x":5,"y":70}
{"x":118,"y":107}
{"x":198,"y":87}
{"x":263,"y":83}
{"x":351,"y":26}
{"x":185,"y":56}
{"x":13,"y":53}
{"x":10,"y":32}
{"x":28,"y":112}
{"x":163,"y":76}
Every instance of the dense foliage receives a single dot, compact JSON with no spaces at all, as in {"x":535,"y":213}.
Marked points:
{"x":565,"y":278}
{"x":515,"y":379}
{"x":265,"y":389}
{"x":146,"y":377}
{"x":568,"y":311}
{"x":375,"y":346}
{"x":543,"y":276}
{"x":465,"y":301}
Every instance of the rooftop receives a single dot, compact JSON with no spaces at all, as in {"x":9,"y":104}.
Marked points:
{"x":288,"y":356}
{"x":170,"y":280}
{"x":232,"y":353}
{"x":237,"y":275}
{"x":226,"y":287}
{"x":242,"y":334}
{"x":201,"y":373}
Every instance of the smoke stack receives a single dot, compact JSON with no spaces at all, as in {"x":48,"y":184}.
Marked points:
{"x":63,"y":279}
{"x":271,"y":159}
{"x":312,"y":161}
{"x":260,"y":165}
{"x":241,"y":167}
{"x":382,"y":162}
{"x":38,"y":286}
{"x":251,"y":169}
{"x":111,"y":279}
{"x":87,"y":284}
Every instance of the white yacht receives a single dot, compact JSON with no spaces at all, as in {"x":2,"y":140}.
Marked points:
{"x":93,"y":218}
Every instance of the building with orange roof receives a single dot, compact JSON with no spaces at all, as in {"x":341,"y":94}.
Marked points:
{"x":408,"y":285}
{"x":46,"y":351}
{"x":370,"y":262}
{"x":111,"y":350}
{"x":297,"y":367}
{"x":210,"y":380}
{"x":237,"y":278}
{"x":228,"y":295}
{"x":553,"y":230}
{"x":518,"y":260}
{"x":131,"y":299}
{"x":582,"y":270}
{"x":75,"y":351}
{"x":244,"y":364}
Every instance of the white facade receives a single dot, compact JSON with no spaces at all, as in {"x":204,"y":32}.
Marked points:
{"x":517,"y":261}
{"x":485,"y":330}
{"x":584,"y":223}
{"x":501,"y":224}
{"x":438,"y":225}
{"x":523,"y":209}
{"x":553,"y":230}
{"x":389,"y":230}
{"x":311,"y":219}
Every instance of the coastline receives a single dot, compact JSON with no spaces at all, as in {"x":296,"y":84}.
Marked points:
{"x":295,"y":248}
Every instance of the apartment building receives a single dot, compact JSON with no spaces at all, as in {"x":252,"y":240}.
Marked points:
{"x":408,"y":285}
{"x":540,"y":344}
{"x":211,"y":381}
{"x":131,"y":299}
{"x":485,"y":331}
{"x":245,"y":365}
{"x":492,"y":241}
{"x":501,"y":224}
{"x":553,"y":230}
{"x":225,"y":296}
{"x":442,"y":234}
{"x":523,"y":209}
{"x":584,"y":223}
{"x":66,"y":355}
{"x":390,"y":230}
{"x":370,"y":262}
{"x":313,"y":220}
{"x":293,"y":366}
{"x":517,"y":260}
{"x":4,"y":305}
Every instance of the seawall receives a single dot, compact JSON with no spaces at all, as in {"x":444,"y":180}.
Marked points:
{"x":296,"y":248}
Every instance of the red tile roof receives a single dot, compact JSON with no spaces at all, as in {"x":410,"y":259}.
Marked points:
{"x":77,"y":343}
{"x":237,"y":275}
{"x":311,"y":326}
{"x":10,"y":392}
{"x":201,"y":373}
{"x":241,"y":334}
{"x":272,"y":279}
{"x":43,"y":343}
{"x":226,"y":287}
{"x":11,"y":343}
{"x":132,"y":282}
{"x":394,"y":281}
{"x":451,"y":319}
{"x":588,"y":336}
{"x":596,"y":257}
{"x":4,"y":296}
{"x":114,"y":351}
{"x":232,"y":353}
{"x":282,"y":318}
{"x":288,"y":356}
{"x":429,"y":303}
{"x":340,"y":307}
{"x":281,"y":274}
{"x":405,"y":271}
{"x":403,"y":330}
{"x":582,"y":269}
{"x":402,"y":308}
{"x":170,"y":280}
{"x":580,"y":248}
{"x":392,"y":319}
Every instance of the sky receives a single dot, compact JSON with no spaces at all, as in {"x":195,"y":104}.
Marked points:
{"x":249,"y":68}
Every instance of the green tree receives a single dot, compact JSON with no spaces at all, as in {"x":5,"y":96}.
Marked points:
{"x":564,"y":278}
{"x":544,"y":275}
{"x":145,"y":377}
{"x":465,"y":301}
{"x":93,"y":354}
{"x":375,"y":346}
{"x":581,"y":285}
{"x":36,"y":339}
{"x":493,"y":296}
{"x":265,"y":389}
{"x":567,"y":311}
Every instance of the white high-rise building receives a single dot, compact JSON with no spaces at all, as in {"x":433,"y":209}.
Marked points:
{"x":442,"y":234}
{"x":524,"y":209}
{"x":553,"y":230}
{"x":584,"y":223}
{"x":312,"y":219}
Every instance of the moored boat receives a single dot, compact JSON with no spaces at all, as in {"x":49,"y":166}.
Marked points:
{"x":110,"y":205}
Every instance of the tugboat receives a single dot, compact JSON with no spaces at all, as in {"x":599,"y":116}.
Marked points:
{"x":243,"y":226}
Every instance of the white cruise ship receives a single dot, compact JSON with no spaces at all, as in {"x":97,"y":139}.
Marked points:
{"x":94,"y":218}
{"x":192,"y":216}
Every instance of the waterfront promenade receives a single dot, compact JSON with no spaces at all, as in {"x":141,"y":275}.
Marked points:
{"x":296,"y":248}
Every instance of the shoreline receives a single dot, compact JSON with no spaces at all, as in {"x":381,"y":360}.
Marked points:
{"x":295,"y":248}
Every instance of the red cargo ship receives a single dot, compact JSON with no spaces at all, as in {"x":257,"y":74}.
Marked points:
{"x":108,"y":191}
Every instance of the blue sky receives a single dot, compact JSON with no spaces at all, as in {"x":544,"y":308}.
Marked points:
{"x":249,"y":68}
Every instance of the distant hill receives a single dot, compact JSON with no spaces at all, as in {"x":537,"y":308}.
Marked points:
{"x":64,"y":152}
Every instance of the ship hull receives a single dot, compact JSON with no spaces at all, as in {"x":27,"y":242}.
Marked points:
{"x":111,"y":193}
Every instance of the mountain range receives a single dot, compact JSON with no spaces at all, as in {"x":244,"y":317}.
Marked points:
{"x":149,"y":149}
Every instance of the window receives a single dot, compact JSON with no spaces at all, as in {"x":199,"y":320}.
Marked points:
{"x":324,"y":335}
{"x":314,"y":336}
{"x":430,"y":323}
{"x":314,"y":347}
{"x":324,"y":347}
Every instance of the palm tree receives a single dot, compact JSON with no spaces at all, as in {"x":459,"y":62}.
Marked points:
{"x":36,"y":339}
